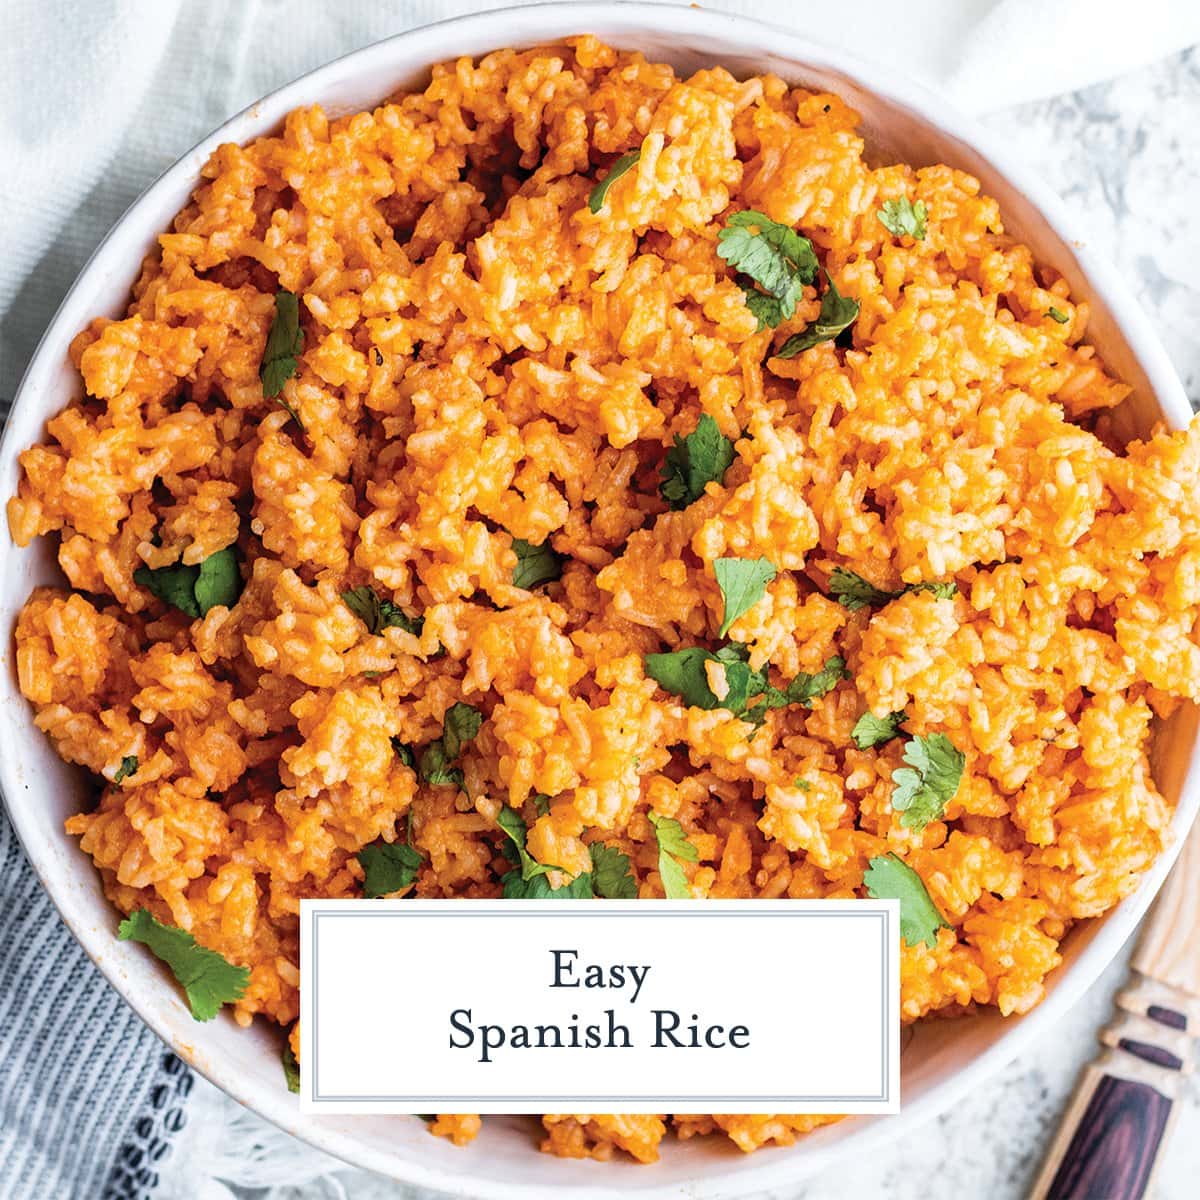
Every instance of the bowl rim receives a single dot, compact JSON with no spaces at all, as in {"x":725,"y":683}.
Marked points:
{"x":548,"y":22}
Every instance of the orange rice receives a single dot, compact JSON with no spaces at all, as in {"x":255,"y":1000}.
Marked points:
{"x":486,"y":359}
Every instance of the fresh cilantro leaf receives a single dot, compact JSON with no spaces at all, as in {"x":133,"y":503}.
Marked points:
{"x":434,"y":767}
{"x":743,"y":583}
{"x":777,"y":258}
{"x":460,"y":724}
{"x":943,"y":591}
{"x":535,"y":564}
{"x":388,"y":867}
{"x":673,"y":845}
{"x":377,"y":614}
{"x":404,"y":753}
{"x":700,"y":458}
{"x":208,"y":980}
{"x":219,"y":581}
{"x":600,"y":192}
{"x":510,"y":821}
{"x":804,"y":689}
{"x":285,"y":343}
{"x":802,"y":784}
{"x":889,"y":878}
{"x":195,"y":588}
{"x":902,"y":217}
{"x":682,"y":673}
{"x":924,"y":788}
{"x":541,"y":804}
{"x":129,"y":766}
{"x":837,"y":313}
{"x":1057,"y":314}
{"x":291,"y":1068}
{"x":612,"y":873}
{"x":854,"y":592}
{"x":767,"y":310}
{"x":870,"y":730}
{"x":538,"y":888}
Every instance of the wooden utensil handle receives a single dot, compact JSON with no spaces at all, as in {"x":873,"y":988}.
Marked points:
{"x":1110,"y":1139}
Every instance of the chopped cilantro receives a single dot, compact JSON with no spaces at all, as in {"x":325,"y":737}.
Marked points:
{"x":855,"y":592}
{"x":673,"y":845}
{"x":378,"y":615}
{"x":1057,"y":314}
{"x":195,"y":588}
{"x":777,"y":258}
{"x":538,"y":888}
{"x":837,"y":313}
{"x":285,"y":343}
{"x":404,"y":753}
{"x":889,"y":878}
{"x":902,"y":217}
{"x":700,"y":458}
{"x":535,"y":564}
{"x":207,"y":978}
{"x":541,"y":804}
{"x":460,"y":724}
{"x":683,"y":674}
{"x":600,"y":192}
{"x":510,"y":821}
{"x":388,"y":867}
{"x":742,"y":582}
{"x":924,"y":788}
{"x":802,"y":784}
{"x":870,"y":730}
{"x":291,"y":1068}
{"x":129,"y":766}
{"x":612,"y":873}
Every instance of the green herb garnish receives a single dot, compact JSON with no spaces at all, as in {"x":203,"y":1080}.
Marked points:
{"x":612,"y":873}
{"x":743,"y":583}
{"x":889,"y":878}
{"x":673,"y":845}
{"x":854,"y":592}
{"x":837,"y":313}
{"x":700,"y":458}
{"x":197,"y":587}
{"x":208,"y":979}
{"x":870,"y":730}
{"x":600,"y":191}
{"x":129,"y":766}
{"x":1057,"y":314}
{"x":285,"y":343}
{"x":777,"y":258}
{"x":683,"y":674}
{"x":378,"y":615}
{"x":535,"y":564}
{"x":510,"y":821}
{"x":291,"y":1068}
{"x":924,"y":788}
{"x":904,"y":218}
{"x":460,"y":724}
{"x":388,"y":867}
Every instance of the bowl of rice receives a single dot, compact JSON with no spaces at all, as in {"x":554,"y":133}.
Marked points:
{"x":600,"y":451}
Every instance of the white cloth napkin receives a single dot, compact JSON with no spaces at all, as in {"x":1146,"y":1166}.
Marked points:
{"x":97,"y":98}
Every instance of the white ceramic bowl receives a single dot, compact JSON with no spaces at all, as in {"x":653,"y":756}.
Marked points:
{"x":944,"y":1060}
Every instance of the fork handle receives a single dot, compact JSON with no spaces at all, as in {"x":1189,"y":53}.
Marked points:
{"x":1114,"y":1132}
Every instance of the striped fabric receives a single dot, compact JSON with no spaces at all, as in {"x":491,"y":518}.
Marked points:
{"x":89,"y":1097}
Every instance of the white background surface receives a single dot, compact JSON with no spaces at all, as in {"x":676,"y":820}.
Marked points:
{"x":820,"y":1025}
{"x":1124,"y":154}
